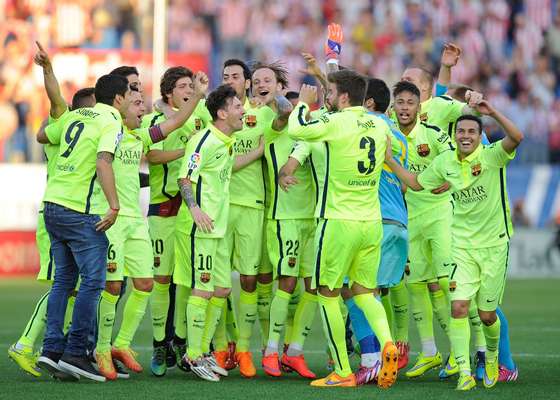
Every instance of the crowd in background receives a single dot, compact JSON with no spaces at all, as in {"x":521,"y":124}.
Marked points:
{"x":511,"y":49}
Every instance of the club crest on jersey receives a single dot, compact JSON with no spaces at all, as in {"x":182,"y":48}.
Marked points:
{"x":476,"y":169}
{"x":197,"y":124}
{"x":452,"y":286}
{"x":194,"y":161}
{"x":423,"y":149}
{"x":157,"y":262}
{"x":251,"y":120}
{"x":205,"y":277}
{"x":111,"y":267}
{"x":424,"y":117}
{"x":291,"y":262}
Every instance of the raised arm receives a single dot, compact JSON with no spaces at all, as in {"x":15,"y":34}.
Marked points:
{"x":449,"y":58}
{"x":299,"y":128}
{"x":177,"y":119}
{"x":58,"y":105}
{"x":284,"y":108}
{"x":513,"y":135}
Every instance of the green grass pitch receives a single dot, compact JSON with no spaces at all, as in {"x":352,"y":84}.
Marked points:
{"x":532,"y":307}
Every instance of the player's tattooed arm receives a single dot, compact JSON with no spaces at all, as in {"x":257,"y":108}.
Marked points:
{"x":284,"y":108}
{"x":200,"y":218}
{"x":106,"y":156}
{"x":185,"y":186}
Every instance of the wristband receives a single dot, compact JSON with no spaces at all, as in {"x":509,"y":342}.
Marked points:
{"x":115,"y":209}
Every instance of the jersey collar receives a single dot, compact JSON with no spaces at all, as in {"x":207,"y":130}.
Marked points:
{"x":354,"y":109}
{"x":228,"y":140}
{"x":107,"y":108}
{"x":474,"y":155}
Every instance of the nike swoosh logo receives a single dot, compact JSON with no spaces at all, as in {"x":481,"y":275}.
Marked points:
{"x":335,"y":383}
{"x":198,"y":322}
{"x":490,"y":301}
{"x":219,"y":156}
{"x":250,"y":315}
{"x":277,"y":325}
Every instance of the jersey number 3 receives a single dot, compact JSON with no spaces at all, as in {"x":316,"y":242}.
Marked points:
{"x":368,"y":143}
{"x":71,"y":141}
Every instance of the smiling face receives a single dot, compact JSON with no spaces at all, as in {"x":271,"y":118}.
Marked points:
{"x":406,"y":106}
{"x":183,"y":89}
{"x":265,"y":85}
{"x":468,"y":136}
{"x":135,"y":112}
{"x":233,"y":114}
{"x":233,"y":76}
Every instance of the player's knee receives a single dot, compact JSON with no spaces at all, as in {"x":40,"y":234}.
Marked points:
{"x":346,"y":292}
{"x":459,"y":309}
{"x":248,"y":283}
{"x":202,"y":293}
{"x":326,"y":292}
{"x":162,"y":279}
{"x":113,"y":287}
{"x":143,"y":284}
{"x":487,"y":317}
{"x":222,"y":292}
{"x":287,"y":284}
{"x":265,"y":278}
{"x":433,"y":286}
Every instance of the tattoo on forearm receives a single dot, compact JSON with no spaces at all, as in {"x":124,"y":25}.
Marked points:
{"x":106,"y":156}
{"x":187,"y":193}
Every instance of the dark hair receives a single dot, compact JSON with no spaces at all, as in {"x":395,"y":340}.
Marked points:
{"x":291,"y":95}
{"x":108,"y":86}
{"x":125,"y":70}
{"x":405,"y":86}
{"x":170,"y":78}
{"x":378,"y":91}
{"x":82,"y":98}
{"x":277,"y":67}
{"x":235,"y":61}
{"x":469,"y":118}
{"x":348,"y":81}
{"x":218,"y":99}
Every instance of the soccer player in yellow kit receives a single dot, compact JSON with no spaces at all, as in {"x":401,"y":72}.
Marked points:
{"x":243,"y":239}
{"x":481,"y":230}
{"x":164,"y":162}
{"x":22,"y":351}
{"x":289,"y":232}
{"x":355,"y":141}
{"x":130,"y":250}
{"x":204,"y":178}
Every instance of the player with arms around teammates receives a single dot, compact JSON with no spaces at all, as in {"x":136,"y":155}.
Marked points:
{"x":481,"y":230}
